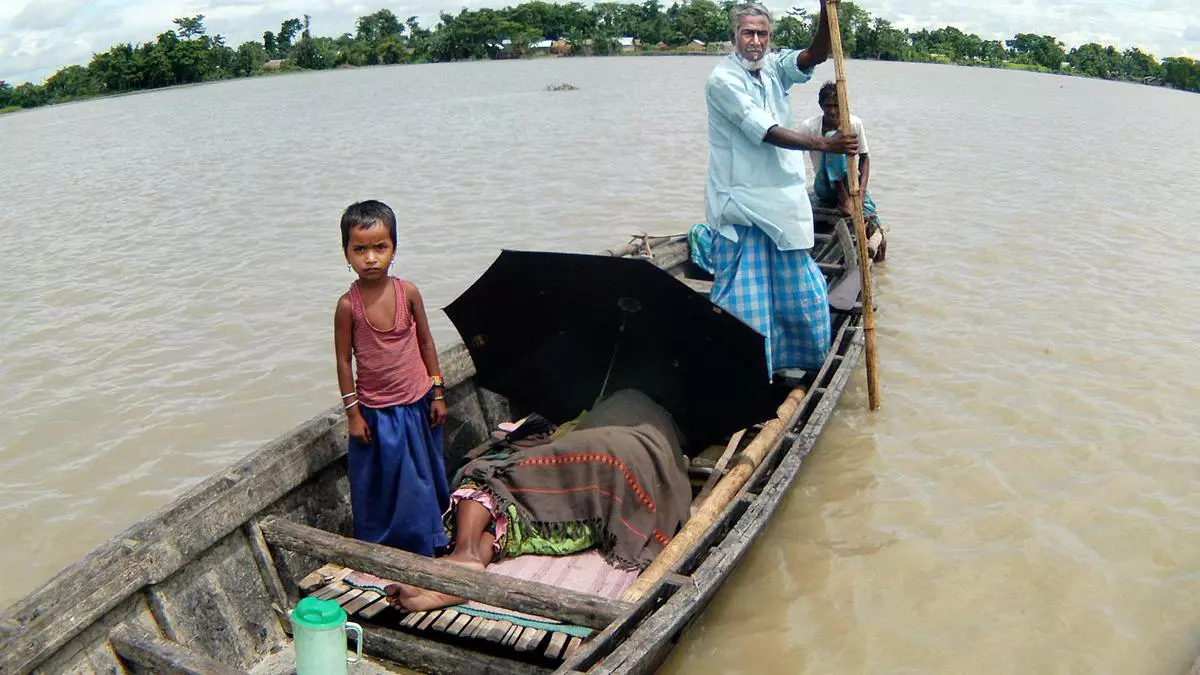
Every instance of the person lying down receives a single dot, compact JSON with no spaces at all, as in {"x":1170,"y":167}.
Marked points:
{"x":617,"y":482}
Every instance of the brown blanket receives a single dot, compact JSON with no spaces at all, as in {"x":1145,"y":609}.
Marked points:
{"x":620,"y":471}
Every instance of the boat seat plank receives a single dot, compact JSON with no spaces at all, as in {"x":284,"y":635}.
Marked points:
{"x":411,"y":619}
{"x":536,"y":598}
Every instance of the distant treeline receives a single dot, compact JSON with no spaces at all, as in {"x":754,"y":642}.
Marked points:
{"x":189,"y":54}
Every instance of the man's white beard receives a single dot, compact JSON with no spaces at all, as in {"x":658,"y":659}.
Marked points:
{"x":752,"y":66}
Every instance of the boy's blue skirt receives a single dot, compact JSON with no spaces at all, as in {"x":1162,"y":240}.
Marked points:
{"x":398,"y":487}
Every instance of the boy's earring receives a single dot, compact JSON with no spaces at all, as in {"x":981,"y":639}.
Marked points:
{"x":349,"y":267}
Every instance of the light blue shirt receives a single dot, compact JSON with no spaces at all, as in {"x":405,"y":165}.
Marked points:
{"x":751,"y":182}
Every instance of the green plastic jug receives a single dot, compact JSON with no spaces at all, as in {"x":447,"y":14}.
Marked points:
{"x":319,"y":631}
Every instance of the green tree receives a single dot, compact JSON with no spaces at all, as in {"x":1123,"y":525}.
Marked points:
{"x":374,"y":28}
{"x":1180,"y":72}
{"x":1138,"y":65}
{"x":71,"y":83}
{"x":1095,"y":60}
{"x":283,"y":40}
{"x":190,"y":26}
{"x":1039,"y":50}
{"x":250,"y":56}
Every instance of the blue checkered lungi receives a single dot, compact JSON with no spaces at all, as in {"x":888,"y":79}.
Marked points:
{"x":781,"y":294}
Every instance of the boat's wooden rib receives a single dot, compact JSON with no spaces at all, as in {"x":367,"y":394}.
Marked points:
{"x":166,"y":657}
{"x":530,"y":597}
{"x":210,"y":576}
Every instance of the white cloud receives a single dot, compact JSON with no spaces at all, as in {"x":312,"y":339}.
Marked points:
{"x":39,"y":36}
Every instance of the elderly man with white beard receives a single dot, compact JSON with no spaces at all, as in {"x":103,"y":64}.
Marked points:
{"x":756,"y":195}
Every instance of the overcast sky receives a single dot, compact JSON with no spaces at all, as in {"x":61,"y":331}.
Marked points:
{"x":38,"y":37}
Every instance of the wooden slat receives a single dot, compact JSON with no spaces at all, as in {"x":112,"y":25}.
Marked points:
{"x":469,"y":630}
{"x":331,"y":591}
{"x":428,"y":656}
{"x":554,"y":650}
{"x":498,"y":630}
{"x":373,"y":610}
{"x":349,"y":595}
{"x":460,"y":624}
{"x":320,"y":577}
{"x":443,"y":622}
{"x":572,"y":646}
{"x":513,"y":635}
{"x":157,"y":655}
{"x":531,"y":639}
{"x":411,"y":619}
{"x":529,"y":597}
{"x":429,"y":619}
{"x":361,"y":601}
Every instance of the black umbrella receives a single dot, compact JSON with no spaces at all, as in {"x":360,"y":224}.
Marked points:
{"x":555,"y":331}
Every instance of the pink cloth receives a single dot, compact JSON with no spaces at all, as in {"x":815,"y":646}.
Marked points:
{"x":388,"y":365}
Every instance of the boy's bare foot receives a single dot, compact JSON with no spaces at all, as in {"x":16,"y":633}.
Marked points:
{"x":414,"y":599}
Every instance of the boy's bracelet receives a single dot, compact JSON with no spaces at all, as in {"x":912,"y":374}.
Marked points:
{"x":439,"y":398}
{"x":437,"y":381}
{"x":346,"y":396}
{"x":352,"y":404}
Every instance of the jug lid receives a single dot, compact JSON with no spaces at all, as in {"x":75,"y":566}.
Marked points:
{"x":318,"y":614}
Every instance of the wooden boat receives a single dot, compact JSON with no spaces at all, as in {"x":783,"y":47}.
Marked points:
{"x":202,"y":585}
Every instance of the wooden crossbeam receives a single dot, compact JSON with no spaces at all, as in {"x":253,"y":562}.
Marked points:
{"x":530,"y":597}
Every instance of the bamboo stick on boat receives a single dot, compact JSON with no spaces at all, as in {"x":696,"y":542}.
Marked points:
{"x":719,"y":498}
{"x":860,"y":226}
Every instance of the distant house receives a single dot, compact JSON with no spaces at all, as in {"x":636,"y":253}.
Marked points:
{"x":628,"y":44}
{"x":542,"y":45}
{"x":696,"y":46}
{"x":561,"y":48}
{"x":273,"y":64}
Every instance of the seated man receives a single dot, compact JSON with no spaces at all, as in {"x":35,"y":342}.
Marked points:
{"x":617,"y":481}
{"x":830,"y":169}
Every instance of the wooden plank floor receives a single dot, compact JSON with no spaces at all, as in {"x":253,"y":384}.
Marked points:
{"x":328,"y":583}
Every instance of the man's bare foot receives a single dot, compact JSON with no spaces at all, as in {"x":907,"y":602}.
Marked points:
{"x":413,"y":599}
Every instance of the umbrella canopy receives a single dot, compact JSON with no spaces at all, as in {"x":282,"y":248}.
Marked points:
{"x":555,"y":331}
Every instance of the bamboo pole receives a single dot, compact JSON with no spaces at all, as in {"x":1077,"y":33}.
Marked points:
{"x":722,"y":494}
{"x":860,"y":226}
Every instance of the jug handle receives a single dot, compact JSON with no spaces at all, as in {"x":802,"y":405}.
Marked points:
{"x":352,"y":627}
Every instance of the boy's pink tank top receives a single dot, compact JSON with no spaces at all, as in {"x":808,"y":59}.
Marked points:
{"x":388,"y":365}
